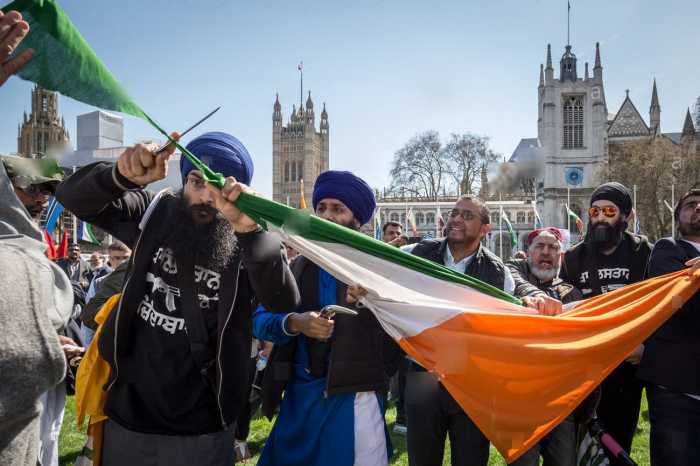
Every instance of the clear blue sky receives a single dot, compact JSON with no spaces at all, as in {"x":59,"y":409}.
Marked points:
{"x":386,"y":69}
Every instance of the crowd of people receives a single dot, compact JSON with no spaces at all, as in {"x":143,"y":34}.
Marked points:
{"x":216,"y":318}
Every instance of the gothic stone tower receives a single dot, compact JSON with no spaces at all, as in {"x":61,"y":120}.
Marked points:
{"x":299,"y":152}
{"x":43,"y":130}
{"x":572,"y":130}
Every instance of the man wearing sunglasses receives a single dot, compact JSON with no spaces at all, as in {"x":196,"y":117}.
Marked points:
{"x":609,"y":258}
{"x":432,"y":413}
{"x":670,"y":363}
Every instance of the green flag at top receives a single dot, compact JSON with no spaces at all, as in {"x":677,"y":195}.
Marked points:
{"x":64,"y":62}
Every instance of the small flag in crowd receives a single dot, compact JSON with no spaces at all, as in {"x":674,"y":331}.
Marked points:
{"x":576,"y":219}
{"x":377,"y":225}
{"x":53,"y":212}
{"x":86,"y":233}
{"x":538,"y":220}
{"x":62,"y":250}
{"x":439,"y":223}
{"x":50,"y":246}
{"x":302,"y":199}
{"x":411,"y":222}
{"x":637,"y":224}
{"x":511,"y":230}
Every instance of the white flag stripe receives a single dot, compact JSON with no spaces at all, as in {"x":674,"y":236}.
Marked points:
{"x":406,"y":302}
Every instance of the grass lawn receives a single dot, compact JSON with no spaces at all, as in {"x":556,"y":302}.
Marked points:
{"x":72,"y":440}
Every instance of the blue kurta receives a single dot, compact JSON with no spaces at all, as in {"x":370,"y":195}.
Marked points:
{"x":310,"y":428}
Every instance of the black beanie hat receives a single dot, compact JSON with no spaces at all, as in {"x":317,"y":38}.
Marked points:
{"x":615,"y":192}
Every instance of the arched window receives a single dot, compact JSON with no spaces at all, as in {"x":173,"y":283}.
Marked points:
{"x":420,"y":218}
{"x":430,"y":218}
{"x":294,"y":172}
{"x":394,"y":217}
{"x":573,"y":122}
{"x":530,"y":217}
{"x":286,"y":171}
{"x":520,"y":217}
{"x":300,"y":169}
{"x":494,"y":218}
{"x":403,"y":219}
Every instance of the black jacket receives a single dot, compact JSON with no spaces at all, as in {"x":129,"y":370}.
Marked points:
{"x":485,"y":266}
{"x":672,"y":354}
{"x":359,"y":357}
{"x":82,"y":273}
{"x":110,"y":285}
{"x":94,"y":195}
{"x":557,"y":288}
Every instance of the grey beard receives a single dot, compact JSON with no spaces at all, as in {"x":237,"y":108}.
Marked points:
{"x":544,"y":275}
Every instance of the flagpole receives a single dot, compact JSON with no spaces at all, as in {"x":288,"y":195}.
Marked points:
{"x":437,"y":219}
{"x":500,"y":226}
{"x":301,"y":84}
{"x":634,"y":207}
{"x":568,"y":206}
{"x":671,"y":209}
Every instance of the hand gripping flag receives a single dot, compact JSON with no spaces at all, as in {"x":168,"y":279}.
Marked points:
{"x":516,"y":374}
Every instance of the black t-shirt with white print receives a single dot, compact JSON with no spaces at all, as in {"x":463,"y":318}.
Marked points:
{"x":162,"y":390}
{"x":613,"y":270}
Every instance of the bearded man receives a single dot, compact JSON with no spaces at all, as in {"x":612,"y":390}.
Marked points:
{"x":332,"y":370}
{"x":541,"y":268}
{"x":179,"y":340}
{"x":610,"y":258}
{"x":670,"y":363}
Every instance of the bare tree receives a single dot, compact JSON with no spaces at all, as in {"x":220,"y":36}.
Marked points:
{"x":653,"y":165}
{"x":420,"y":167}
{"x":469,"y":154}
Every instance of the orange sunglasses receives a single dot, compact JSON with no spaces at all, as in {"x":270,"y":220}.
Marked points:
{"x":608,"y":211}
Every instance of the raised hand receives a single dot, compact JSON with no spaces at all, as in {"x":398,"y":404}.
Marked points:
{"x":141,"y":166}
{"x":224,"y":200}
{"x":12,"y":30}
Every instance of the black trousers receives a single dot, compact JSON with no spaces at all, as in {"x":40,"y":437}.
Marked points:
{"x":399,"y":393}
{"x":620,"y":400}
{"x":243,"y":422}
{"x":558,"y":448}
{"x":675,"y":428}
{"x":432,"y":414}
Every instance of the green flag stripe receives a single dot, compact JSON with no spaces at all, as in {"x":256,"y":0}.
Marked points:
{"x":314,"y":228}
{"x":64,"y":62}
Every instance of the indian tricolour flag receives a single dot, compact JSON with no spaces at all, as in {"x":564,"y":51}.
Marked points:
{"x":515,"y":373}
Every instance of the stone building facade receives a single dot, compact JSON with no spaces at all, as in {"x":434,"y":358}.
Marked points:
{"x":43,"y":130}
{"x":299,"y":152}
{"x":431,"y":216}
{"x":576,"y":135}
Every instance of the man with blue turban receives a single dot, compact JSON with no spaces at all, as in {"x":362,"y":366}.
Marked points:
{"x":331,"y":370}
{"x":179,"y":340}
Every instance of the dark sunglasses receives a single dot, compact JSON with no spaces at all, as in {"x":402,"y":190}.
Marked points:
{"x":608,"y":211}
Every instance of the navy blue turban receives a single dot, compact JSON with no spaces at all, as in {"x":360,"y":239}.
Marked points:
{"x":223,"y":153}
{"x":351,"y":190}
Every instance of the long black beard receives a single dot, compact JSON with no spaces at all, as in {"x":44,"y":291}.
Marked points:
{"x":604,"y":236}
{"x":213,"y":244}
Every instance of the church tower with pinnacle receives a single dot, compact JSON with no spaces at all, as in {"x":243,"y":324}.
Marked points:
{"x":42,"y":130}
{"x":299,"y":152}
{"x":572,"y":132}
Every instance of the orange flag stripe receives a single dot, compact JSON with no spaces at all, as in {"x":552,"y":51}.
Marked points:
{"x":517,"y":376}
